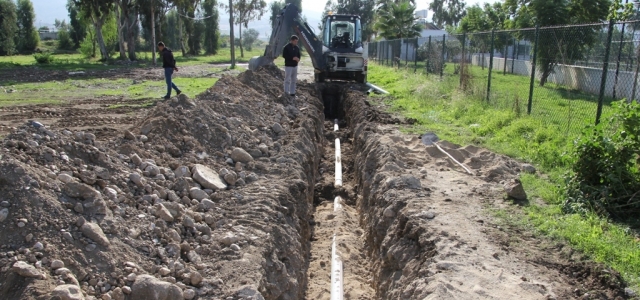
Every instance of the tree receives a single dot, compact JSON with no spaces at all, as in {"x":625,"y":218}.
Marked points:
{"x":8,"y":27}
{"x":275,"y":7}
{"x":27,"y":38}
{"x":560,"y":43}
{"x":247,"y":11}
{"x":447,"y":12}
{"x":397,"y":21}
{"x":211,"y":30}
{"x":98,"y":12}
{"x":78,"y":28}
{"x":250,"y":38}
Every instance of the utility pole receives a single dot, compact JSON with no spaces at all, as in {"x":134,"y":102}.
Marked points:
{"x":153,"y":35}
{"x":232,"y":39}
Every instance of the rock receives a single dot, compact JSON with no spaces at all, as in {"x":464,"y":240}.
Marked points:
{"x":234,"y":247}
{"x":106,"y":297}
{"x":153,"y":170}
{"x":173,"y":235}
{"x":515,"y":189}
{"x":149,"y":288}
{"x":88,"y":177}
{"x":194,"y":257}
{"x":26,"y":270}
{"x":248,"y":292}
{"x":188,"y":222}
{"x":430,"y":215}
{"x":404,"y":181}
{"x":78,"y":208}
{"x":66,"y":178}
{"x":137,"y":179}
{"x":231,"y":178}
{"x":111,"y":193}
{"x":57,"y":264}
{"x":629,"y":292}
{"x":80,"y":190}
{"x":208,"y":204}
{"x":94,"y":232}
{"x":38,"y":246}
{"x":527,"y":168}
{"x":197,"y":194}
{"x":135,"y":159}
{"x":163,"y":213}
{"x":117,"y":294}
{"x":182,"y":171}
{"x":129,"y":135}
{"x":277,"y":128}
{"x":229,"y":239}
{"x":255,"y":153}
{"x":89,"y":136}
{"x":264,"y":149}
{"x":176,"y":209}
{"x":4,"y":213}
{"x":67,"y":236}
{"x":164,"y":271}
{"x":172,"y":196}
{"x":126,"y":290}
{"x":189,"y":294}
{"x":389,"y":212}
{"x":208,"y":178}
{"x":240,"y":155}
{"x":68,"y":292}
{"x":196,"y":278}
{"x":90,"y":247}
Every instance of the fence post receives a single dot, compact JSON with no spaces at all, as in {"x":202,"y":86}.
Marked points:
{"x":605,"y":70}
{"x":415,"y":56}
{"x":615,"y":81}
{"x":493,"y":31}
{"x":506,"y":57}
{"x":463,"y":58}
{"x":533,"y":70}
{"x":514,"y":54}
{"x":428,"y":56}
{"x":406,"y":53}
{"x":444,"y":39}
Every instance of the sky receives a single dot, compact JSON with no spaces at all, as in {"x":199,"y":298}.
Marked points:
{"x":49,"y":10}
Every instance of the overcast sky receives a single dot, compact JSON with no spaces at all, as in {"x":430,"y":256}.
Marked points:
{"x":49,"y":10}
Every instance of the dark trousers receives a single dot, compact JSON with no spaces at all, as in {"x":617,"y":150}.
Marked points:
{"x":170,"y":85}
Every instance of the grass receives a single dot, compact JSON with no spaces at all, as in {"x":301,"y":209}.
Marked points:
{"x":72,"y":89}
{"x":544,"y":138}
{"x":77,"y":62}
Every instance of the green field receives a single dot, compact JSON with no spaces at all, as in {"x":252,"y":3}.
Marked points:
{"x":503,"y":126}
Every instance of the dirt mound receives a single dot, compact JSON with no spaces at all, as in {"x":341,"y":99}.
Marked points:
{"x":211,"y":194}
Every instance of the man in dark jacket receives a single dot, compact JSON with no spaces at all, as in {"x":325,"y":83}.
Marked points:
{"x":291,"y":54}
{"x":169,"y":65}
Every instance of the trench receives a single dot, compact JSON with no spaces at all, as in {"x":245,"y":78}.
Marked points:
{"x":326,"y":222}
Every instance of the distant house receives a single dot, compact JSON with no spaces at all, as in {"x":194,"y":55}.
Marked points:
{"x":48,"y":35}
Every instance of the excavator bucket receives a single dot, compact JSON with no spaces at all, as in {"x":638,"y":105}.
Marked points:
{"x":259,"y":61}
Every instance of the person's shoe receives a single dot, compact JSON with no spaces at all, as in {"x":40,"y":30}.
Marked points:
{"x":292,"y":95}
{"x":166,"y":97}
{"x":178,"y":93}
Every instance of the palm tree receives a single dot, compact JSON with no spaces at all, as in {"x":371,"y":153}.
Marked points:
{"x":397,"y":21}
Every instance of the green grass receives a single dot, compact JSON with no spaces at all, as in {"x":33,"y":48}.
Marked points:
{"x":71,"y":89}
{"x":544,"y":138}
{"x":77,"y":62}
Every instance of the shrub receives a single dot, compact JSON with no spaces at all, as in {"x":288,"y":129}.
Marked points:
{"x":64,"y":40}
{"x":605,"y":177}
{"x":44,"y":58}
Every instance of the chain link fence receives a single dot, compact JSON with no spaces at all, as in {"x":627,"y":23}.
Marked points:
{"x":566,"y":75}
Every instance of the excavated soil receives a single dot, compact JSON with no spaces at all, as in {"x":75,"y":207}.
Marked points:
{"x":111,"y":210}
{"x":230,"y":196}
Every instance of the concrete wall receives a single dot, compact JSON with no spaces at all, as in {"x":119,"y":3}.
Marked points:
{"x":48,"y":35}
{"x":581,"y":78}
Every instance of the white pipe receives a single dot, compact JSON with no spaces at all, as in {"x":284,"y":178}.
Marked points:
{"x":337,"y":204}
{"x":380,"y":90}
{"x":338,"y":165}
{"x":335,"y":125}
{"x":337,"y":292}
{"x":454,"y":160}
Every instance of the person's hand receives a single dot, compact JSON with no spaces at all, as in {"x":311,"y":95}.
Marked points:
{"x":175,"y":69}
{"x":296,"y":59}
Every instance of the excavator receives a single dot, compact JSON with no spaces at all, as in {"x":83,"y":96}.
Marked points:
{"x":338,"y":54}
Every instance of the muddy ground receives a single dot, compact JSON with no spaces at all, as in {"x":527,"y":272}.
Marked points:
{"x":229,"y":196}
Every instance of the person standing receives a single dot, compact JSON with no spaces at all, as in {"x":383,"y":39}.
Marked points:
{"x":169,"y":66}
{"x":291,"y":54}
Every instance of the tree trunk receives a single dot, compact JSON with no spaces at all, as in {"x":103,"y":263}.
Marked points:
{"x":231,"y":37}
{"x":153,"y":35}
{"x":180,"y":37}
{"x":120,"y":26}
{"x":240,"y":39}
{"x":131,"y":36}
{"x":104,"y":54}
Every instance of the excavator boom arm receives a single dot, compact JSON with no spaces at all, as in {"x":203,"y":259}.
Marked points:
{"x":290,"y":19}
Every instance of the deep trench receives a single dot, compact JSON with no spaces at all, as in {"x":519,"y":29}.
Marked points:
{"x":345,"y":223}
